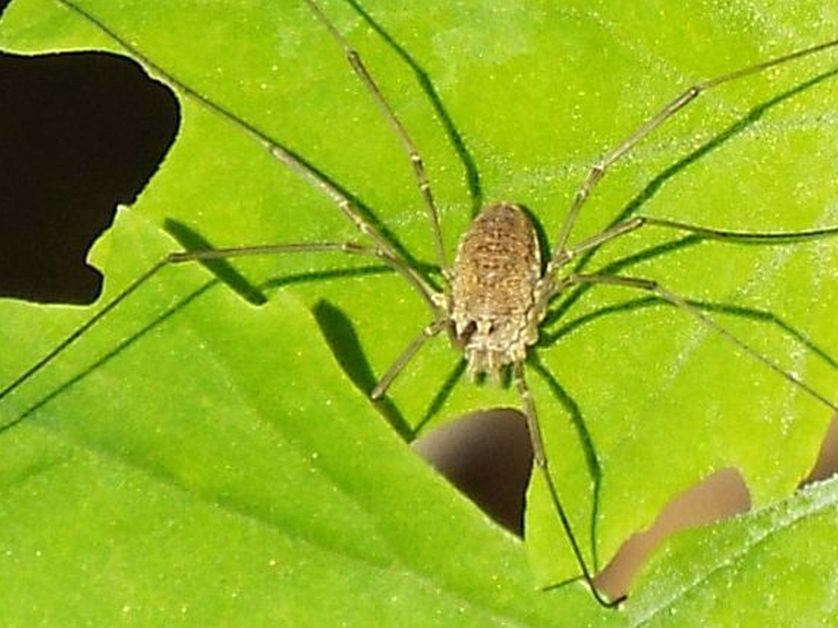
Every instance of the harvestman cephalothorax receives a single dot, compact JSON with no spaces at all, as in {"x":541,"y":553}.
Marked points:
{"x":501,"y":284}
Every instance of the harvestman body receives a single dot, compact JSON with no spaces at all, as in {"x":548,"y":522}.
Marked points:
{"x":498,"y":291}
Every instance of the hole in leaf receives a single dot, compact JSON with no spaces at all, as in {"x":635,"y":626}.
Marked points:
{"x":81,"y":132}
{"x":486,"y":455}
{"x":719,"y":496}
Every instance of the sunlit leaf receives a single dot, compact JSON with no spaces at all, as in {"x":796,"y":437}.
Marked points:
{"x":769,"y":567}
{"x":222,"y":462}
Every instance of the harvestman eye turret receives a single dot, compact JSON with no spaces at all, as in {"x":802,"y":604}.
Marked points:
{"x":498,"y":290}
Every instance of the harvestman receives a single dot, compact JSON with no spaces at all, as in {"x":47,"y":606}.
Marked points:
{"x":497,"y":292}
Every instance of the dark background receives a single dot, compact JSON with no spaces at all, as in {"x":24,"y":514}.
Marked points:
{"x":79,"y":133}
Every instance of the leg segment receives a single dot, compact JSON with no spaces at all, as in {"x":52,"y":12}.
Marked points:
{"x":385,"y":250}
{"x":683,"y":304}
{"x":412,"y":349}
{"x":191,"y":256}
{"x":551,"y":288}
{"x":540,"y":461}
{"x":669,"y":110}
{"x":725,"y":235}
{"x":390,"y":115}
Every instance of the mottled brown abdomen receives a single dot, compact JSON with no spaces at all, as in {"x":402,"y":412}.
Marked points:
{"x":496,"y":272}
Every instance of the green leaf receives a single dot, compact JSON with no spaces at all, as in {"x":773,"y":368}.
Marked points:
{"x":769,"y":567}
{"x":223,"y":421}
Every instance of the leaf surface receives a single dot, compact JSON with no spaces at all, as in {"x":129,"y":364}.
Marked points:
{"x":225,"y":421}
{"x":768,"y":567}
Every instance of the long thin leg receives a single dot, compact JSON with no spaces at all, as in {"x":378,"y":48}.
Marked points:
{"x":775,"y":238}
{"x":407,"y":142}
{"x":385,"y":251}
{"x":771,"y":238}
{"x":670,"y":109}
{"x":294,"y":162}
{"x":351,"y":248}
{"x":417,"y":343}
{"x":653,"y":287}
{"x":431,"y":297}
{"x":540,"y":461}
